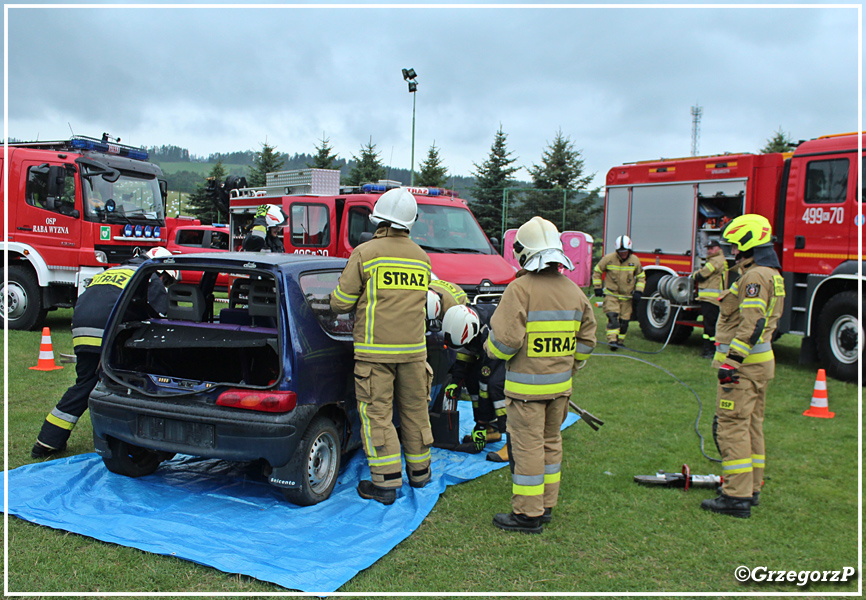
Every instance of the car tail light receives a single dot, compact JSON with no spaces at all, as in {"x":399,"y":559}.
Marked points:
{"x":260,"y":400}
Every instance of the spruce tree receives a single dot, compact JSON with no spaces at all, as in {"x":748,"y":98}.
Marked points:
{"x":264,"y":162}
{"x":492,"y":177}
{"x":323,"y":158}
{"x":561,"y":184}
{"x":780,"y":142}
{"x":368,"y":167}
{"x":432,"y":172}
{"x":203,"y":202}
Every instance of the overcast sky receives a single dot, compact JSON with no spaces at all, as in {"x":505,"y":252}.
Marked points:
{"x":618,"y":81}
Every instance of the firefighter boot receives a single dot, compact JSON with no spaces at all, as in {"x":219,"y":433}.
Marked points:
{"x":755,"y":496}
{"x":709,"y":350}
{"x":500,"y":456}
{"x":728,"y":505}
{"x":547,"y":517}
{"x":518,"y":522}
{"x":493,"y":435}
{"x":41,"y":450}
{"x":368,"y":491}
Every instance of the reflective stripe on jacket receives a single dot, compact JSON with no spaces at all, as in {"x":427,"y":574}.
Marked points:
{"x":543,"y":326}
{"x":451,"y":293}
{"x":621,"y":277}
{"x":748,"y":316}
{"x":385,"y":282}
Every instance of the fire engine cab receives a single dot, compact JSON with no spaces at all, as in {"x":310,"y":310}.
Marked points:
{"x":329,"y":220}
{"x":75,"y":208}
{"x":671,"y":208}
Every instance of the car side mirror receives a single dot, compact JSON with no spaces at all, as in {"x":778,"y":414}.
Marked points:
{"x":364,"y":237}
{"x":495,"y":243}
{"x":56,"y":185}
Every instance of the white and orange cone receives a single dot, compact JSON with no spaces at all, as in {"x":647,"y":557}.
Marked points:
{"x":819,"y":407}
{"x":46,"y":354}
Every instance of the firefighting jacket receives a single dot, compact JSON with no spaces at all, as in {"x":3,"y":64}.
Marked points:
{"x":259,"y":239}
{"x":385,"y":282}
{"x":621,"y":277}
{"x":95,"y":303}
{"x":543,"y":327}
{"x":451,"y":293}
{"x":712,"y":279}
{"x":473,"y":360}
{"x":748,"y":316}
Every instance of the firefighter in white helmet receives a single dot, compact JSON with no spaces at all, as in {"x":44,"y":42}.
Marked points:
{"x":624,"y":282}
{"x":385,"y":282}
{"x":466,"y":329}
{"x":545,"y":329}
{"x":265,"y":232}
{"x":748,"y":316}
{"x":88,"y":323}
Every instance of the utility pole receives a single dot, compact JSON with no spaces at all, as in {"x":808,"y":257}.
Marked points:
{"x":697,"y":111}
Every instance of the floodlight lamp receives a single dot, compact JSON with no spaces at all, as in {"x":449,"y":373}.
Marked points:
{"x":413,"y":86}
{"x":409,"y":74}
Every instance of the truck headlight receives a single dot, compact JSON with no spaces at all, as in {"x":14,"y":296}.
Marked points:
{"x":100,"y":256}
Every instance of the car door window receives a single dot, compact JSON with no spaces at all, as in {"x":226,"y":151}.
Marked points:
{"x":317,"y":288}
{"x":36,"y":192}
{"x":311,"y":225}
{"x":826,"y":181}
{"x":359,"y":222}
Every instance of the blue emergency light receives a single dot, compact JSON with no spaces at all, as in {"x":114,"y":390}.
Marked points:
{"x":85,"y":143}
{"x":157,"y":232}
{"x":374,"y":187}
{"x":127,"y":231}
{"x":139,"y":230}
{"x":148,"y":231}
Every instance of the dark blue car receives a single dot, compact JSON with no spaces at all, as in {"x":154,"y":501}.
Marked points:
{"x":261,"y":373}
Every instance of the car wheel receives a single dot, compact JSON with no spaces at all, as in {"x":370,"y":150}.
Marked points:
{"x":316,"y":463}
{"x":840,"y":337}
{"x":130,"y":460}
{"x":25,"y":300}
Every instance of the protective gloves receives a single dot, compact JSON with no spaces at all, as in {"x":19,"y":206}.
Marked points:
{"x":452,"y":392}
{"x":728,"y":375}
{"x":599,"y":292}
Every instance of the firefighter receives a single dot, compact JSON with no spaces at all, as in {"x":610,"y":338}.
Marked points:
{"x":712,"y":279}
{"x":88,"y":323}
{"x":624,"y":282}
{"x":386,"y":282}
{"x":264,"y":236}
{"x":545,"y":329}
{"x":749,"y":313}
{"x":466,"y":329}
{"x":442,"y":296}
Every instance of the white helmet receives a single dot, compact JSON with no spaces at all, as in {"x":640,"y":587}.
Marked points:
{"x":434,"y":305}
{"x":275,"y":216}
{"x":460,"y":325}
{"x":623,"y":242}
{"x":160,"y":252}
{"x":398,"y":207}
{"x":537,"y":244}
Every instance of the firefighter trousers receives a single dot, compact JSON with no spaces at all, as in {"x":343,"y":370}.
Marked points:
{"x":740,"y":412}
{"x":61,"y":420}
{"x":535,"y":439}
{"x":379,"y":387}
{"x":618,"y":312}
{"x":710,"y":314}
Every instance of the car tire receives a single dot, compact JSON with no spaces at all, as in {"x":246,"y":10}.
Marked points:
{"x":655,"y":315}
{"x":840,"y":336}
{"x":25,"y":300}
{"x":130,"y":460}
{"x":316,"y":463}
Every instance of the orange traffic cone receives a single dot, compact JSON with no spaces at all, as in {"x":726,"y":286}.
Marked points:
{"x":819,"y":406}
{"x":46,"y":354}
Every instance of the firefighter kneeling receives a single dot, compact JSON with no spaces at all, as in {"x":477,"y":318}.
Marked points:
{"x":544,"y":329}
{"x":466,"y":329}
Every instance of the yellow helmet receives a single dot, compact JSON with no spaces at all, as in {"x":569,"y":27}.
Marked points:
{"x":748,"y":231}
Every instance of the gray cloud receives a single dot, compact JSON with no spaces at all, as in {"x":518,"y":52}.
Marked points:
{"x":618,"y":81}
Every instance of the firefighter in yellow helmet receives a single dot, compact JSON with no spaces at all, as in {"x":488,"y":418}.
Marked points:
{"x":749,"y":312}
{"x":711,"y":279}
{"x":624,"y":282}
{"x":545,"y":329}
{"x":385,"y":282}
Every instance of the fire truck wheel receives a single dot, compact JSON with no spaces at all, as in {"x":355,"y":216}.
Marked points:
{"x":25,"y":300}
{"x":655,"y":315}
{"x":840,"y":336}
{"x":316,"y":462}
{"x":130,"y":460}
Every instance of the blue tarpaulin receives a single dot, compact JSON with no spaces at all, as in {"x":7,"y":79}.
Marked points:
{"x":225,"y":515}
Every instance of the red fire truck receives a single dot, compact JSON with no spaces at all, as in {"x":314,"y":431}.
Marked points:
{"x":75,"y":207}
{"x":672,"y":207}
{"x":328,"y":220}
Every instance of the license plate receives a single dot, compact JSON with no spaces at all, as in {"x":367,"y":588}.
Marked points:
{"x":170,"y":430}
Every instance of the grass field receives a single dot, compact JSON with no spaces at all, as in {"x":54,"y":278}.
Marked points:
{"x":608,"y":534}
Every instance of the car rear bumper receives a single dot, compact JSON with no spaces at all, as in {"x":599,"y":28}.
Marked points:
{"x":200,"y":430}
